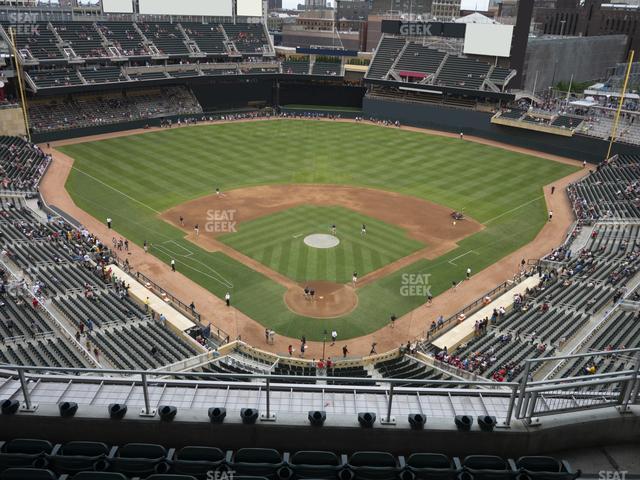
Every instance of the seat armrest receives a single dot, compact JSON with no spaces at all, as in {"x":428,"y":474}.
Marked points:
{"x":112,"y":451}
{"x":285,"y":458}
{"x":170,"y":454}
{"x":343,"y":460}
{"x":56,"y":449}
{"x":567,"y":466}
{"x":512,"y":464}
{"x":401,"y":461}
{"x":457,"y":463}
{"x":228,"y":456}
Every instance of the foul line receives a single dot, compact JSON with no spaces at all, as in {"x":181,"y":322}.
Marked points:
{"x":462,"y":255}
{"x":190,"y":253}
{"x":116,"y":190}
{"x":513,"y":209}
{"x":216,"y":277}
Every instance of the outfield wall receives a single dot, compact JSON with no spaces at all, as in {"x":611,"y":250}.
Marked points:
{"x":479,"y":124}
{"x":220,"y":95}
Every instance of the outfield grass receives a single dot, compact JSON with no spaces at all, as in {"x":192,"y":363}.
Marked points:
{"x":132,"y":179}
{"x":277,"y":241}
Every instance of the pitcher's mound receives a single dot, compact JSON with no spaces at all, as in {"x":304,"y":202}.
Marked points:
{"x":330,"y":299}
{"x":321,"y":240}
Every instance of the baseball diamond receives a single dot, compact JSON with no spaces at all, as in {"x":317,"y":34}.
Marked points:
{"x":401,"y":184}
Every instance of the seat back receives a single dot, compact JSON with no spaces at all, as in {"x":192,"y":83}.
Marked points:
{"x":314,"y":457}
{"x":374,"y":465}
{"x":539,"y":464}
{"x":315,"y":464}
{"x":485,"y":462}
{"x":29,"y":446}
{"x":99,"y":476}
{"x":27,"y":474}
{"x":372,"y":459}
{"x":257,"y":461}
{"x":258,"y":455}
{"x":169,"y":476}
{"x":429,"y":460}
{"x":24,"y":453}
{"x":87,"y":449}
{"x":142,"y":450}
{"x":209,"y":454}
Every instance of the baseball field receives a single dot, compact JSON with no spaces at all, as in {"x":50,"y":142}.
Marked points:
{"x":281,"y":180}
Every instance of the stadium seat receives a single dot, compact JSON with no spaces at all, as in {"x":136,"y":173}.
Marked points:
{"x":24,"y":452}
{"x":99,"y":476}
{"x":27,"y":474}
{"x":488,"y":467}
{"x":138,"y":459}
{"x":169,"y":476}
{"x":74,"y":457}
{"x":315,"y":464}
{"x":197,"y":460}
{"x":545,"y":468}
{"x":257,"y":461}
{"x":373,"y":465}
{"x":430,"y":465}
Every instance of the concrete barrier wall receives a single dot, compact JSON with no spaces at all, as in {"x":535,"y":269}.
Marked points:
{"x":340,"y":433}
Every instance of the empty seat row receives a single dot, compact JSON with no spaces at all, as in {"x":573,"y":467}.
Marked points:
{"x":200,"y":462}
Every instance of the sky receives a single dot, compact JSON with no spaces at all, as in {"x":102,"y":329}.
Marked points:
{"x":294,"y":3}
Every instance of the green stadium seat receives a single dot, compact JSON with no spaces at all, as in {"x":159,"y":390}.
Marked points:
{"x":27,"y":474}
{"x":539,"y":467}
{"x":140,"y":459}
{"x":24,"y":452}
{"x":430,"y":465}
{"x":257,"y":461}
{"x":99,"y":476}
{"x":374,"y":465}
{"x":315,"y":464}
{"x":489,"y":467}
{"x":74,"y":457}
{"x":169,"y":476}
{"x":197,"y":460}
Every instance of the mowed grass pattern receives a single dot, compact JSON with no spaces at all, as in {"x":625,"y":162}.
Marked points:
{"x":277,"y":241}
{"x":133,"y":178}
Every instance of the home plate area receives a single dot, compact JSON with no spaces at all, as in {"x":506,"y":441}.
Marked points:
{"x":330,"y":299}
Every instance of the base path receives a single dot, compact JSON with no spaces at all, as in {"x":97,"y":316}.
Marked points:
{"x":406,"y":327}
{"x":422,"y":220}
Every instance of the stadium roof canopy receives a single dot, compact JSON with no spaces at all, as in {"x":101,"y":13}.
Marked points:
{"x":475,"y":17}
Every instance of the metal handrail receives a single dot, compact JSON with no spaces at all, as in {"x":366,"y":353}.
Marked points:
{"x":221,"y":335}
